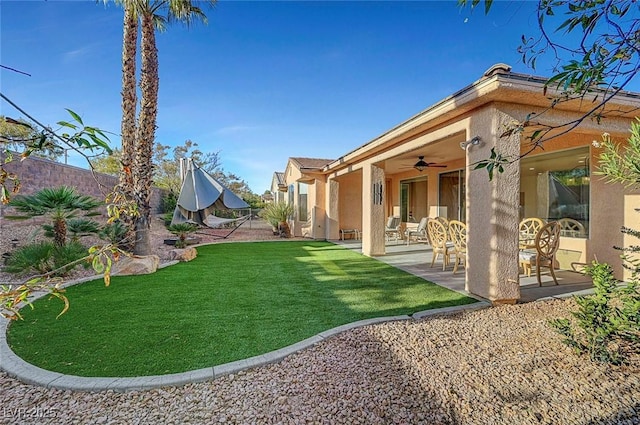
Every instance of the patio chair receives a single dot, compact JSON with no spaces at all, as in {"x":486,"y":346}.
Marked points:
{"x":439,"y":239}
{"x":546,"y":243}
{"x":443,"y":221}
{"x":527,"y":230}
{"x":572,"y":228}
{"x":419,"y":232}
{"x":392,"y":229}
{"x":458,"y":236}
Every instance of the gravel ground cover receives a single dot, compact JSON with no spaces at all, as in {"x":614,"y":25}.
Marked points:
{"x":502,"y":365}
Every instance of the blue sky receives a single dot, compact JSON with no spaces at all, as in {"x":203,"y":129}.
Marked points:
{"x":263,"y":80}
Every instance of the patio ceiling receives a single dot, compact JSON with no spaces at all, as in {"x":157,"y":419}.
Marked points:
{"x":447,"y":150}
{"x":441,"y":151}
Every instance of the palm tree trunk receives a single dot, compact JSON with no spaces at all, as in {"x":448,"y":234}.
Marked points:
{"x":59,"y":231}
{"x":129,"y":100}
{"x":145,"y":134}
{"x":129,"y":97}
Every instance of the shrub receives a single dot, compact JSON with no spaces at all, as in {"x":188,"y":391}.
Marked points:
{"x":167,"y":218}
{"x":30,"y":258}
{"x":45,"y":257}
{"x":77,"y":228}
{"x":182,"y":230}
{"x":115,"y":233}
{"x":63,"y":256}
{"x":607,"y":323}
{"x":168,"y":203}
{"x":278,"y":213}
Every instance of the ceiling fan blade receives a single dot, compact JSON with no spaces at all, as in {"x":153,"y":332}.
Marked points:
{"x":437,"y":165}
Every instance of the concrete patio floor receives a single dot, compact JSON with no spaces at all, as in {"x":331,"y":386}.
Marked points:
{"x":416,"y":259}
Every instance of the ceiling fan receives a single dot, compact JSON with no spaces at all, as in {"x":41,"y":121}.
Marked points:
{"x":421,"y":165}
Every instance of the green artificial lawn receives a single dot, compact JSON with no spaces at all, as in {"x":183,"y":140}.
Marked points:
{"x":234,"y":301}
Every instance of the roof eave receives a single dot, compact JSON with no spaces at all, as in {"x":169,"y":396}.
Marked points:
{"x":480,"y":92}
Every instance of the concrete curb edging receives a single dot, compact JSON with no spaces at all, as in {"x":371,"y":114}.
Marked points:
{"x":17,"y":368}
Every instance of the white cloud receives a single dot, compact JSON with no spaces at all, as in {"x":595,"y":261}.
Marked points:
{"x":81,"y":52}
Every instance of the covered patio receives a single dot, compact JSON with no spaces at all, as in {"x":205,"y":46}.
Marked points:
{"x":416,"y":259}
{"x":426,"y":166}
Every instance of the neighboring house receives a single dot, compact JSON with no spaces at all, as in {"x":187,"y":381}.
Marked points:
{"x":278,"y":187}
{"x":378,"y":179}
{"x":266,"y":197}
{"x":305,"y":183}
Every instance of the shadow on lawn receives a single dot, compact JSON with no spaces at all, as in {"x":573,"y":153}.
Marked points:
{"x":359,"y":283}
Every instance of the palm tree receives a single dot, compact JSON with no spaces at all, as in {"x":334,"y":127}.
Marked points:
{"x":138,"y":138}
{"x":129,"y":100}
{"x":60,"y":203}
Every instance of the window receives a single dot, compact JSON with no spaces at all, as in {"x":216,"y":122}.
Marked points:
{"x":303,"y":190}
{"x":556,"y":186}
{"x":290,"y":194}
{"x":451,"y":194}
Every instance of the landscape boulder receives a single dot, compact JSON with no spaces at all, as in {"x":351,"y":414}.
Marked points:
{"x":136,"y":264}
{"x":186,"y":254}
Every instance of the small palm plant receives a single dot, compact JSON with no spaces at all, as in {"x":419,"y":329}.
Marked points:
{"x":277,"y":214}
{"x":60,"y":203}
{"x":182,"y":230}
{"x":77,"y":228}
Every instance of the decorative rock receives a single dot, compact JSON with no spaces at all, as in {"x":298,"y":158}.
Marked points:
{"x":136,"y":264}
{"x":186,"y":254}
{"x":501,"y":366}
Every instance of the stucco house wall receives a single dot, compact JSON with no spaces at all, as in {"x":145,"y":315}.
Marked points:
{"x":443,"y":133}
{"x":351,"y":194}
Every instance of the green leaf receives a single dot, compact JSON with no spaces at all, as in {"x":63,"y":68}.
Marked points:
{"x":75,"y":116}
{"x":535,"y":135}
{"x":480,"y":165}
{"x":67,"y":124}
{"x":487,"y":6}
{"x":81,"y":141}
{"x":97,"y":265}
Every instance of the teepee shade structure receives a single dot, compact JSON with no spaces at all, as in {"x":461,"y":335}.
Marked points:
{"x":201,"y":195}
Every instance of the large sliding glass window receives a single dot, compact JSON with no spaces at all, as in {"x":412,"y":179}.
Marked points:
{"x":413,"y":200}
{"x":555,"y":186}
{"x":452,"y":194}
{"x":303,"y":190}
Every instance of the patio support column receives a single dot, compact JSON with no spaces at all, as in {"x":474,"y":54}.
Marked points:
{"x":492,"y":212}
{"x":373,"y":184}
{"x":333,"y":210}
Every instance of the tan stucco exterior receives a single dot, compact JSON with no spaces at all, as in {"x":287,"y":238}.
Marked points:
{"x":306,"y":173}
{"x":278,"y":187}
{"x":345,"y":193}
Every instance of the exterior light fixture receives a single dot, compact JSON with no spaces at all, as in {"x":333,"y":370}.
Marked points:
{"x":473,"y":142}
